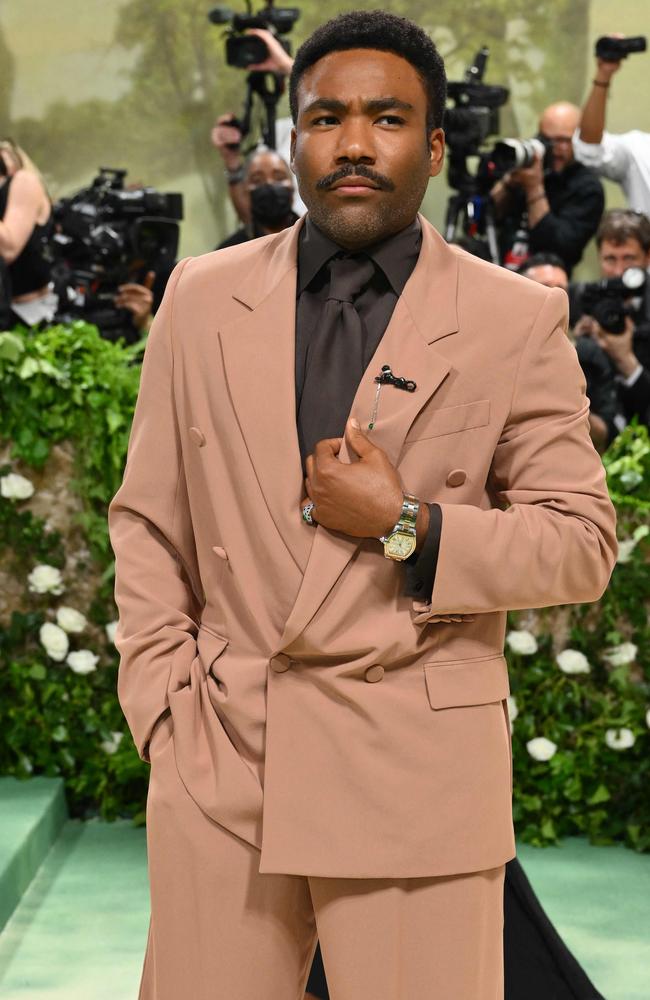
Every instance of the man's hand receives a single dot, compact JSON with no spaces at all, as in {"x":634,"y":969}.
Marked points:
{"x":618,"y":346}
{"x":604,"y":68}
{"x":362,"y":499}
{"x":138,"y":299}
{"x":223,"y":135}
{"x":529,"y":178}
{"x":278,"y":61}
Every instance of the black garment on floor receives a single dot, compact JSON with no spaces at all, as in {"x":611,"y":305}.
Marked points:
{"x":538,"y":965}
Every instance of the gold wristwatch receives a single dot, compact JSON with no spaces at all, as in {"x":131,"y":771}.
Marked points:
{"x":400,"y":542}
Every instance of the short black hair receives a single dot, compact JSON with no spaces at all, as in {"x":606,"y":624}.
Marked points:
{"x":542,"y":260}
{"x":377,"y":29}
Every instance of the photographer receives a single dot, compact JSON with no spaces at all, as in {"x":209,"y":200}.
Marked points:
{"x":25,"y":224}
{"x":269,"y":187}
{"x":226,"y":136}
{"x":623,"y":241}
{"x":555,"y":209}
{"x":623,"y":158}
{"x":605,"y":420}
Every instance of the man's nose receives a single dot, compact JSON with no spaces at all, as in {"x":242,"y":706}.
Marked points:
{"x":355,"y":142}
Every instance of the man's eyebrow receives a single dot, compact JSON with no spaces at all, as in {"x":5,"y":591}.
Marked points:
{"x":373,"y":106}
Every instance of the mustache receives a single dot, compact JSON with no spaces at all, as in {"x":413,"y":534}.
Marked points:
{"x":382,"y":182}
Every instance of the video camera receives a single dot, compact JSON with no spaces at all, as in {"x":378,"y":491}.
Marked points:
{"x":605,"y":300}
{"x":614,"y":49}
{"x":106,"y":235}
{"x":244,"y":50}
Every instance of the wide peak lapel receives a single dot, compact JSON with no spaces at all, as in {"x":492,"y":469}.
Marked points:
{"x":425,"y":313}
{"x":259,"y":360}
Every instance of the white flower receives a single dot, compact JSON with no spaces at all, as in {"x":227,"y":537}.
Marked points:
{"x":513,"y":711}
{"x":27,"y":764}
{"x":110,"y":631}
{"x":627,"y":547}
{"x":110,"y":746}
{"x":54,"y":640}
{"x":620,"y":739}
{"x":45,"y":579}
{"x":647,"y":718}
{"x":522,"y":642}
{"x":83,"y":661}
{"x":540,"y":748}
{"x":70,"y":619}
{"x":619,"y":655}
{"x":571,"y":661}
{"x":15,"y":487}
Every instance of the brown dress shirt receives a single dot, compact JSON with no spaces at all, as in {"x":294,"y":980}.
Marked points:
{"x":394,"y":259}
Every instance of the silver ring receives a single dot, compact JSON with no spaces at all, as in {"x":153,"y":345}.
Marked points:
{"x":306,"y":513}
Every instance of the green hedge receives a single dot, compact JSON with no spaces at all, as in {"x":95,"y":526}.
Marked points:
{"x":67,"y":400}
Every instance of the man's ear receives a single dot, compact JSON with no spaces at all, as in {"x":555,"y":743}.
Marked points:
{"x":436,"y":151}
{"x":292,"y":150}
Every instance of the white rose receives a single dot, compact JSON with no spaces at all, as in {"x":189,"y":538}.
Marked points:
{"x":83,"y":661}
{"x":647,"y":718}
{"x":54,"y":640}
{"x":620,"y":739}
{"x":45,"y":579}
{"x":540,"y":748}
{"x":111,"y":745}
{"x":70,"y":619}
{"x":571,"y":661}
{"x":110,"y":631}
{"x":522,"y":642}
{"x":513,"y":710}
{"x":15,"y":487}
{"x":619,"y":655}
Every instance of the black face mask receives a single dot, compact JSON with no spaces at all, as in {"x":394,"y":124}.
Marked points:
{"x":271,"y":203}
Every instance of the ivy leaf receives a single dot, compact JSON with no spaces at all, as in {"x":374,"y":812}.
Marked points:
{"x":600,"y":795}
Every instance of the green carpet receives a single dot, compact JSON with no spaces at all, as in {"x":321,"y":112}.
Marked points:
{"x":80,"y":931}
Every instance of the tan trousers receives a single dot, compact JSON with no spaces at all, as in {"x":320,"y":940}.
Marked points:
{"x":222,"y":931}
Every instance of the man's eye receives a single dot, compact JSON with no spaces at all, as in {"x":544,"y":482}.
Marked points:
{"x":325,"y":120}
{"x":391,"y":119}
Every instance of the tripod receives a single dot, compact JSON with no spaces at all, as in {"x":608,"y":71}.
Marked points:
{"x":269,"y":87}
{"x":474,"y":214}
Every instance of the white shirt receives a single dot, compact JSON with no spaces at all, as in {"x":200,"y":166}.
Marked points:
{"x":624,"y":158}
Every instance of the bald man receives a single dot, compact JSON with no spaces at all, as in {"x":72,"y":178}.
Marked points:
{"x":553,"y":206}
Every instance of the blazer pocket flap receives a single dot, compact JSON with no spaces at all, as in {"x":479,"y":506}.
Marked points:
{"x":210,"y":646}
{"x":431,"y":423}
{"x":467,"y":682}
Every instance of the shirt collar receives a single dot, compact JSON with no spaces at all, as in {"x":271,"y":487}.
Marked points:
{"x":396,"y":255}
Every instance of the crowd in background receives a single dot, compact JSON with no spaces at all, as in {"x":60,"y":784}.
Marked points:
{"x":546,"y":213}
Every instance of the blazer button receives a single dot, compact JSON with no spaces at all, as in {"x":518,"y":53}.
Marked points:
{"x":374,"y":673}
{"x":197,"y":436}
{"x":280,"y":663}
{"x":456,"y":477}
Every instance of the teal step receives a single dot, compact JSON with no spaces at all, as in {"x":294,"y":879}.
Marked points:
{"x":32,"y":813}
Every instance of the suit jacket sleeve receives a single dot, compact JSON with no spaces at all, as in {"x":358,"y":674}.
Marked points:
{"x":157,"y":588}
{"x":550,"y":539}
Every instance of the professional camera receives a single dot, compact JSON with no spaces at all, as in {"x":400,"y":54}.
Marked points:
{"x":517,"y":154}
{"x":244,"y":50}
{"x":607,"y":300}
{"x":105,"y":236}
{"x":614,"y":49}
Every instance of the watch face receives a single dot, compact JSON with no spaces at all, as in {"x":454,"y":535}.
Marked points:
{"x":401,"y":545}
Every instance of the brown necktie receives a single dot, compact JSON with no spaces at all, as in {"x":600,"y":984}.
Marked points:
{"x":335,"y":356}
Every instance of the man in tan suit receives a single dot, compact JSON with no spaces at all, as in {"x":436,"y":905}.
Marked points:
{"x":313,"y":609}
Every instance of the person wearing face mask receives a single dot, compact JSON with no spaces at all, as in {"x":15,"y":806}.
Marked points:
{"x":269,"y":183}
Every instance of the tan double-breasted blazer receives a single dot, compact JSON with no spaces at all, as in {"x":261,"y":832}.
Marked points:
{"x":316,"y":712}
